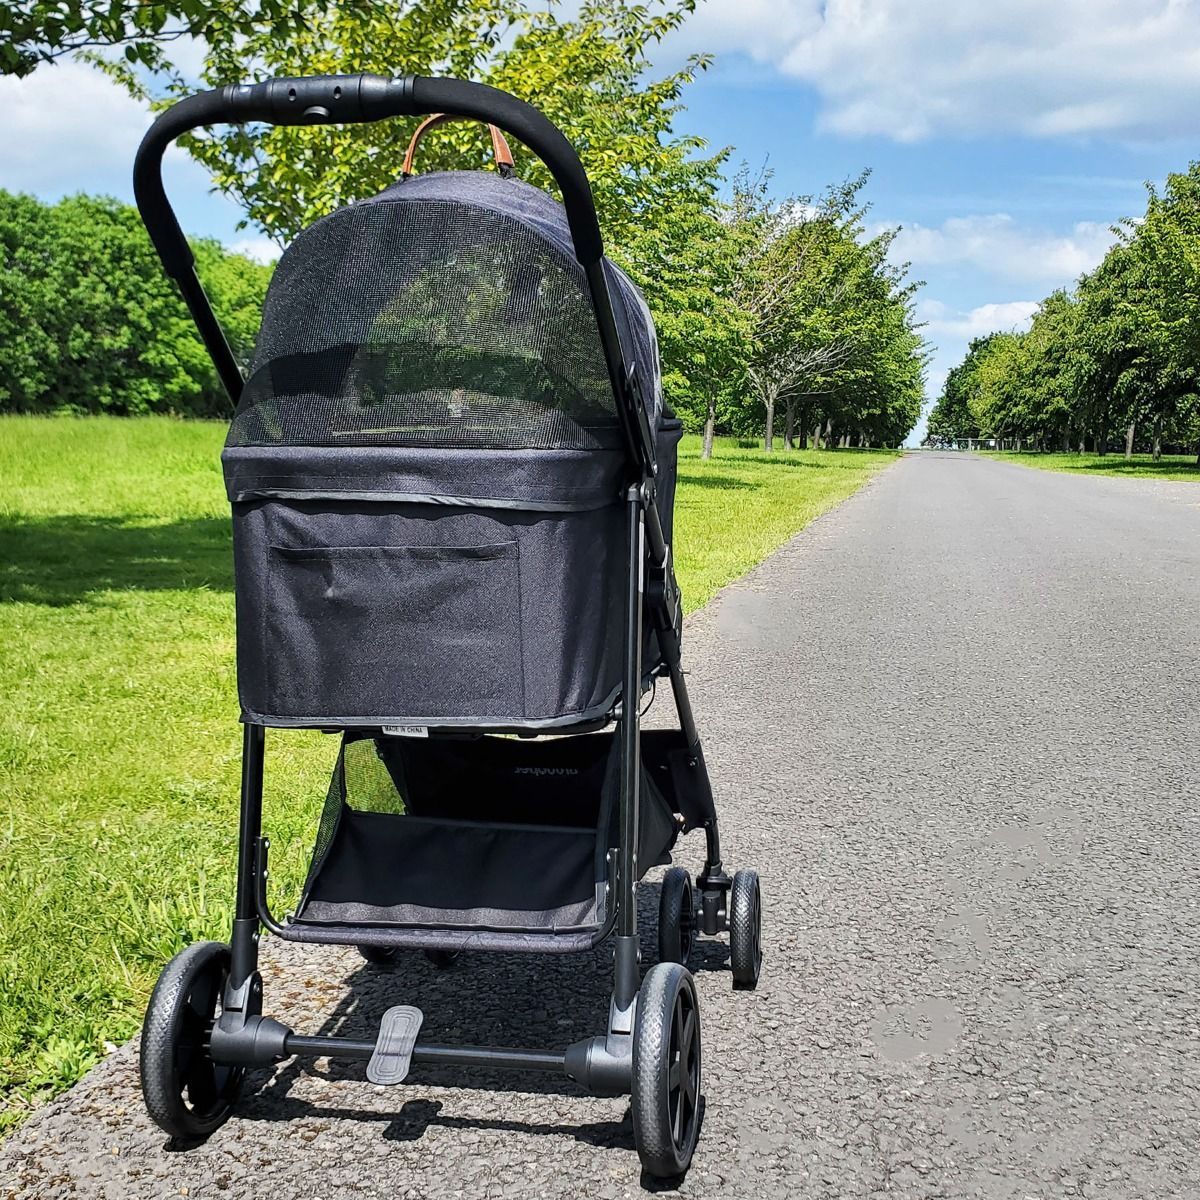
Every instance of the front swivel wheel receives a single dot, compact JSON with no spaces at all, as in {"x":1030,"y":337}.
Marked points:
{"x":745,"y":929}
{"x":187,"y":1094}
{"x":666,"y":1070}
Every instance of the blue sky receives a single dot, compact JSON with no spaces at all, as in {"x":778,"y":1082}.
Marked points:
{"x":1004,"y":140}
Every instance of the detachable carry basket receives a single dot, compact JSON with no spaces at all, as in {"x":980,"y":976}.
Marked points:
{"x":488,"y":842}
{"x":426,"y":470}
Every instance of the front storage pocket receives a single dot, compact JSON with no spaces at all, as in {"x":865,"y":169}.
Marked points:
{"x":393,"y":633}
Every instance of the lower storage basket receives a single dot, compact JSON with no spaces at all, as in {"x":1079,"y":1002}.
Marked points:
{"x":474,"y":836}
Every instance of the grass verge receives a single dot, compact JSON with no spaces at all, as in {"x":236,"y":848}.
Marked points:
{"x":119,"y":738}
{"x":1141,"y":466}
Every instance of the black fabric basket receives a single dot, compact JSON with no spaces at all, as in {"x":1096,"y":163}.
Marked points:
{"x":426,"y":470}
{"x":485,"y":837}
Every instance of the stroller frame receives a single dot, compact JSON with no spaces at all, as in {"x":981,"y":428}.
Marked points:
{"x":241,"y":1036}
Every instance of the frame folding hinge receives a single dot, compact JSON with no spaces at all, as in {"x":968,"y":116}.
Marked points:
{"x":663,"y":592}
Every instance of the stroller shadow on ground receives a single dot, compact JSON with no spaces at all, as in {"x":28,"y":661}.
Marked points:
{"x":500,"y":999}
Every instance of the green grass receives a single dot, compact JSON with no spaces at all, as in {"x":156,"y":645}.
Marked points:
{"x":1141,"y":466}
{"x":119,"y":736}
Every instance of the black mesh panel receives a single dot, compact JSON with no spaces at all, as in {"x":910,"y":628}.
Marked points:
{"x":427,"y":323}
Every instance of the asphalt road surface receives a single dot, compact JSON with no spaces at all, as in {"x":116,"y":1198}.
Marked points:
{"x":955,"y":726}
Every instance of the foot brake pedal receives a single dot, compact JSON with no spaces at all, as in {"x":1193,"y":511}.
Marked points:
{"x":394,"y":1047}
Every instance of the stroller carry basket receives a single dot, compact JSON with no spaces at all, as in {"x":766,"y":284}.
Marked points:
{"x":475,"y":843}
{"x":452,"y":477}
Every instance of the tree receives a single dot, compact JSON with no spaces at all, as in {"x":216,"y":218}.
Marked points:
{"x":89,"y":322}
{"x":833,"y":337}
{"x":952,"y":419}
{"x":589,"y":72}
{"x":688,"y":265}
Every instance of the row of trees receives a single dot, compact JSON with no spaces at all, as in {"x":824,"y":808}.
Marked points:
{"x":785,"y":316}
{"x":1112,"y":363}
{"x":770,"y":313}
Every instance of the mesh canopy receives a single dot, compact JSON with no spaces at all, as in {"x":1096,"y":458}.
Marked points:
{"x":449,"y":311}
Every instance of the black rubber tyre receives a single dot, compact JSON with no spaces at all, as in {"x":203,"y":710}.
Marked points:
{"x":676,"y":918}
{"x":443,"y":959}
{"x":666,"y":1070}
{"x":381,"y":956}
{"x":745,"y":929}
{"x":186,"y":1093}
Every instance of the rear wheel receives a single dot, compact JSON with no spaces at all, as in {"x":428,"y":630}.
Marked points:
{"x":676,"y":918}
{"x":745,"y":929}
{"x":666,"y":1070}
{"x":186,"y":1093}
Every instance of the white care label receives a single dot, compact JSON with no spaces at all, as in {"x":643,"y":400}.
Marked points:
{"x":406,"y":730}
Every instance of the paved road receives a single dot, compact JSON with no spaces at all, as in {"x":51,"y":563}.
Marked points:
{"x":955,"y":724}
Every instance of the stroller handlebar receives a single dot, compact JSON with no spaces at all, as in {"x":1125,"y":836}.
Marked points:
{"x":352,"y":99}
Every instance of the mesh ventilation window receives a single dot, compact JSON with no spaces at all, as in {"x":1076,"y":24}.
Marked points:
{"x":427,"y":323}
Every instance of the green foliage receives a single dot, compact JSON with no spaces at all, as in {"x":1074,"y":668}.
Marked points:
{"x":836,"y":345}
{"x":833,"y":335}
{"x":119,"y":736}
{"x":688,"y":263}
{"x":89,"y":322}
{"x":1114,"y":361}
{"x":589,"y":72}
{"x":41,"y":31}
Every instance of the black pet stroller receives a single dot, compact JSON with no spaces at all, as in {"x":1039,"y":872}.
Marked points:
{"x":452,"y":477}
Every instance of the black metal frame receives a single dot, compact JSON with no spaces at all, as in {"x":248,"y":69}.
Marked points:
{"x":243,"y":1035}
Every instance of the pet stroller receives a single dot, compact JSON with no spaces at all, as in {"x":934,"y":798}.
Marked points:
{"x":452,"y":478}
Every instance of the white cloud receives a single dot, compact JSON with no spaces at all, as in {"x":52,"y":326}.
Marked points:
{"x":944,"y":323}
{"x":997,"y":244}
{"x":910,"y":69}
{"x":68,"y":128}
{"x":260,"y":249}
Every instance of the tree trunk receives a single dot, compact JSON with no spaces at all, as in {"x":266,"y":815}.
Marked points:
{"x":789,"y":427}
{"x":828,"y":433}
{"x":1157,"y":450}
{"x":710,"y":427}
{"x":816,"y":436}
{"x":770,"y":394}
{"x":1129,"y":434}
{"x":1082,"y":444}
{"x":1066,"y":441}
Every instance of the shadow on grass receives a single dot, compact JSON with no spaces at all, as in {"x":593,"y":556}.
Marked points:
{"x":1178,"y":467}
{"x":62,"y":560}
{"x":720,"y":483}
{"x":847,"y":458}
{"x":1147,"y":470}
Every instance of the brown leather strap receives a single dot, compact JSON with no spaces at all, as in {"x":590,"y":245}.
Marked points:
{"x":500,"y":150}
